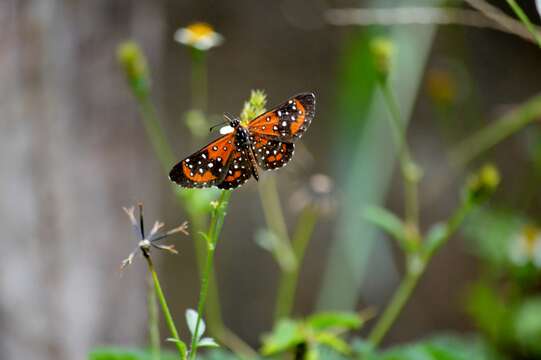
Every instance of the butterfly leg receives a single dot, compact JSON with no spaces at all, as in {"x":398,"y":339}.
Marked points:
{"x":253,"y":162}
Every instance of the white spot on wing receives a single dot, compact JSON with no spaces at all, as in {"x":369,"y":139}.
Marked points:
{"x":226,"y":130}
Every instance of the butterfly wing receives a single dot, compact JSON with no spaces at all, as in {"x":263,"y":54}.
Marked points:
{"x":288,"y":121}
{"x":271,"y":154}
{"x":238,"y":172}
{"x":206,"y":167}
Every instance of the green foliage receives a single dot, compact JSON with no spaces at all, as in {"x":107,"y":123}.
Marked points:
{"x":527,"y":326}
{"x":490,"y":313}
{"x":437,"y":348}
{"x":319,"y":330}
{"x":491,"y":232}
{"x":192,"y":319}
{"x":388,"y":222}
{"x":335,"y":320}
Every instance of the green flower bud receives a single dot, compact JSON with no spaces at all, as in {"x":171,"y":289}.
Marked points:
{"x":134,"y":64}
{"x":254,"y":107}
{"x":482,"y":184}
{"x":382,"y":50}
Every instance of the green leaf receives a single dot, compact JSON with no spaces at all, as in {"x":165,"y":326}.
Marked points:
{"x":491,"y":232}
{"x":439,"y":348}
{"x":527,"y":326}
{"x":313,"y":353}
{"x":387,"y":221}
{"x":333,"y":341}
{"x":191,"y":320}
{"x":286,"y":335}
{"x":335,"y":319}
{"x":208,"y":342}
{"x":489,"y":312}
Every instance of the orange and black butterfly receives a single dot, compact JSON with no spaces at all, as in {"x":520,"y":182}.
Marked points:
{"x":267,"y":141}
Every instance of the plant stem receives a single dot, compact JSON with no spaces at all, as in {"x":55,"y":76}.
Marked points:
{"x":484,"y":139}
{"x":165,"y":155}
{"x":215,"y":228}
{"x":410,"y":172}
{"x":524,"y":18}
{"x":153,"y":321}
{"x":199,"y":80}
{"x":416,"y":265}
{"x":396,"y":305}
{"x":181,"y":347}
{"x":274,"y":217}
{"x":155,"y":133}
{"x":289,"y":279}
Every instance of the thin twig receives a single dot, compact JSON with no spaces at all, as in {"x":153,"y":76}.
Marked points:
{"x":512,"y":25}
{"x":488,"y":17}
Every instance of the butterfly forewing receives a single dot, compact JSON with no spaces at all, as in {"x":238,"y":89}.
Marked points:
{"x":288,"y":121}
{"x":230,"y":161}
{"x":238,"y":172}
{"x":271,"y":154}
{"x":207,"y":167}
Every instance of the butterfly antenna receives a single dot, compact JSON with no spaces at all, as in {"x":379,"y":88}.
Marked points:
{"x":230,"y":117}
{"x":220,"y":124}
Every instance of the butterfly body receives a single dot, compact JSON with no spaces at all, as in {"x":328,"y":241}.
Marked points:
{"x":266,"y":141}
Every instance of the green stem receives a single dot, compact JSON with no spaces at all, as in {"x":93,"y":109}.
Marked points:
{"x":199,"y":80}
{"x":289,"y":279}
{"x":494,"y":133}
{"x":215,"y":228}
{"x":396,"y":305}
{"x":410,"y":172}
{"x":165,"y":155}
{"x":215,"y":323}
{"x":274,"y":217}
{"x":524,"y":18}
{"x":416,"y":265}
{"x":155,"y":133}
{"x":153,"y":321}
{"x":181,"y":347}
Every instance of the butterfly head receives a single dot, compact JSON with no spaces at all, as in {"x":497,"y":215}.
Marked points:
{"x":233,"y":121}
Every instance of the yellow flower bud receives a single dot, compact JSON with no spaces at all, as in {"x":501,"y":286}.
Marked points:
{"x":382,"y":50}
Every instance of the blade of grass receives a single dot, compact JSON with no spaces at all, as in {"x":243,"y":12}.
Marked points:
{"x":525,"y":20}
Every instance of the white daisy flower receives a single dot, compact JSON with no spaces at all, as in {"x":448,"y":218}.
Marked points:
{"x":199,"y":35}
{"x":526,"y":247}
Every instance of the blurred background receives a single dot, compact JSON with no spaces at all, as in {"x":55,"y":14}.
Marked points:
{"x":74,"y":151}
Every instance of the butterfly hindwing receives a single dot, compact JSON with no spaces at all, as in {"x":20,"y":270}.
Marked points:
{"x":271,"y":154}
{"x":207,"y":167}
{"x":288,"y":121}
{"x":231,"y":160}
{"x":238,"y":172}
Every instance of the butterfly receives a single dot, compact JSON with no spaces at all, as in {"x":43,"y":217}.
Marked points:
{"x":266,"y":142}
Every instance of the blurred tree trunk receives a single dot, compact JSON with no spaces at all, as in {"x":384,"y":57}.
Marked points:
{"x":64,"y":180}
